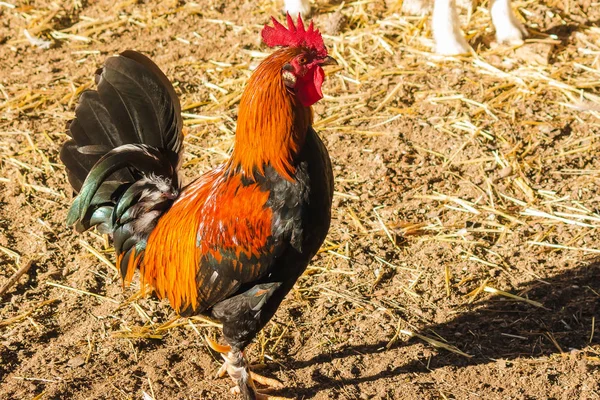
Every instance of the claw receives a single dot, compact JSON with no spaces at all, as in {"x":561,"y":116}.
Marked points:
{"x":219,"y":348}
{"x":263,"y":380}
{"x":272,"y":383}
{"x":222,"y":371}
{"x":236,"y":367}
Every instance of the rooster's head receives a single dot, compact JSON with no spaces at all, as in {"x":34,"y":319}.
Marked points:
{"x":303,"y":74}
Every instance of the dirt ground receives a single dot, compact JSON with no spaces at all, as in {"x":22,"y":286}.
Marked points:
{"x":462,"y":261}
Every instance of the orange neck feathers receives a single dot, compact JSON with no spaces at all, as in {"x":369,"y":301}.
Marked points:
{"x":272,"y":124}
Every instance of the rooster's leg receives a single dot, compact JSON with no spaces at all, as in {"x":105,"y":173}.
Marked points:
{"x":237,"y":368}
{"x":224,"y":349}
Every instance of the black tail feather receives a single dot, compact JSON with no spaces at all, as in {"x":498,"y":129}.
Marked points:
{"x":124,"y":153}
{"x":142,"y":107}
{"x":134,"y":104}
{"x":93,"y":122}
{"x":77,"y":165}
{"x":146,"y":160}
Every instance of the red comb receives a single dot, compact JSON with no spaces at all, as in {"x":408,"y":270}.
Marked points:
{"x":294,"y":35}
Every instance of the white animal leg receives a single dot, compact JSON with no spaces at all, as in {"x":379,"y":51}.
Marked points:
{"x":295,"y":7}
{"x":448,"y":37}
{"x":508,"y":28}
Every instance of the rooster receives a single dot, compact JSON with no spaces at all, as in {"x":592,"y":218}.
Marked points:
{"x":232,"y":243}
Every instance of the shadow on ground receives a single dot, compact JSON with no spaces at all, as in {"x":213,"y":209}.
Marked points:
{"x":497,"y":328}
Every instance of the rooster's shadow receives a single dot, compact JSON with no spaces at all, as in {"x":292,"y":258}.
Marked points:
{"x":496,"y":328}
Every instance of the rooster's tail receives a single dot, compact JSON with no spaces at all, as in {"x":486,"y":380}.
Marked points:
{"x":124,"y":153}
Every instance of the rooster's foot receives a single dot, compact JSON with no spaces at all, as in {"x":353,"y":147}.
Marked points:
{"x":236,"y":367}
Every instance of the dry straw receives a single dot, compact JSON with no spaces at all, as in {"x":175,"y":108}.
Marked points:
{"x":499,"y":164}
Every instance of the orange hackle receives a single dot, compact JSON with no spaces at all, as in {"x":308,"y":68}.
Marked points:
{"x":271,"y":125}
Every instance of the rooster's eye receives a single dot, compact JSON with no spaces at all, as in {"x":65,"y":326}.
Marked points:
{"x":302,"y":60}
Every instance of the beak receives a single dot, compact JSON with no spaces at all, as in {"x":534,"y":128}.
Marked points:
{"x":328,"y":61}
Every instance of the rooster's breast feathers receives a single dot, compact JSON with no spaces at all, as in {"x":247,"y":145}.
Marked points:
{"x":224,"y":231}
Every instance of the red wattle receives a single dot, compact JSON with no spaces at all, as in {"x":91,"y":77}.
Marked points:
{"x":308,"y":88}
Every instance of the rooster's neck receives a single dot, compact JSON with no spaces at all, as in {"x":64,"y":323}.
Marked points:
{"x":272,"y":124}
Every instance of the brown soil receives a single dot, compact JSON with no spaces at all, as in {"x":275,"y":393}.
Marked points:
{"x":451,"y":176}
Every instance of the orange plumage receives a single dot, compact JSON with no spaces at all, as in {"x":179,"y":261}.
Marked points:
{"x":212,"y":214}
